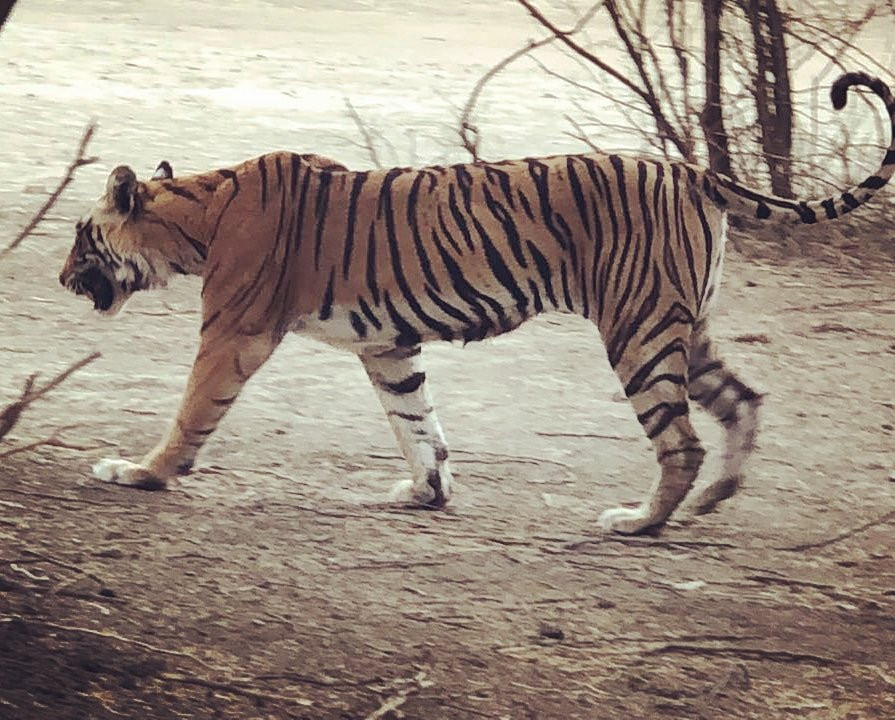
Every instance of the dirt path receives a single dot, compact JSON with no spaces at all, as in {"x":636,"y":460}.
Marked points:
{"x":274,"y":583}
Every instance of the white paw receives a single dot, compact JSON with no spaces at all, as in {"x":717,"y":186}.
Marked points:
{"x":627,"y":521}
{"x":124,"y":472}
{"x":115,"y":471}
{"x":404,"y":491}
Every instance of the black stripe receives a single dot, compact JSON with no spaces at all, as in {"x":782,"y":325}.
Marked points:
{"x":357,"y":324}
{"x":465,"y":291}
{"x":597,"y":238}
{"x":180,"y":191}
{"x":294,"y":165}
{"x":578,"y":194}
{"x":536,"y":296}
{"x":539,"y":175}
{"x":200,"y":249}
{"x":503,"y":180}
{"x":670,"y":411}
{"x":300,"y":211}
{"x":850,"y":200}
{"x":874,"y":182}
{"x":447,"y":233}
{"x":544,"y":271}
{"x":359,"y":180}
{"x":609,"y":204}
{"x":444,"y":331}
{"x":526,"y":206}
{"x":618,"y":343}
{"x":637,"y":380}
{"x":368,"y":313}
{"x":262,"y":170}
{"x":422,"y":256}
{"x":683,"y":235}
{"x":458,"y":217}
{"x":509,"y":227}
{"x":406,"y":386}
{"x":209,"y":321}
{"x":372,"y":285}
{"x":677,"y":314}
{"x":447,"y":308}
{"x":278,"y":164}
{"x":326,"y":307}
{"x":324,"y":178}
{"x":226,"y":174}
{"x":709,"y":367}
{"x":673,"y":378}
{"x":708,"y":238}
{"x":564,"y":278}
{"x":629,"y":268}
{"x":407,"y":334}
{"x":408,"y":417}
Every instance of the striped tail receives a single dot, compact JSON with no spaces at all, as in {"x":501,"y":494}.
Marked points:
{"x":741,"y":200}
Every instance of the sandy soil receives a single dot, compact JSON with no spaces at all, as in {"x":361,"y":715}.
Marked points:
{"x":273,"y":582}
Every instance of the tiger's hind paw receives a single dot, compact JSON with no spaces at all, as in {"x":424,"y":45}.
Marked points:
{"x":405,"y":492}
{"x":715,"y":493}
{"x":627,"y":521}
{"x":124,"y":472}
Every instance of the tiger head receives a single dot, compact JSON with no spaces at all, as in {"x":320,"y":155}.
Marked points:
{"x":114,"y":254}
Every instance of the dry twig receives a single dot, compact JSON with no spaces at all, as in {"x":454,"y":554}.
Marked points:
{"x":79,"y":161}
{"x":9,"y":416}
{"x":469,"y":133}
{"x":888,"y":517}
{"x":365,"y":133}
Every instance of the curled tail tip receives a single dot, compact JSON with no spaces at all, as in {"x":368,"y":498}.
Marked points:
{"x":839,"y":89}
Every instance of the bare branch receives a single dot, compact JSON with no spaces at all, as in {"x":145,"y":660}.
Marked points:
{"x":365,"y":133}
{"x":885,"y":519}
{"x":79,"y":161}
{"x":9,"y":416}
{"x":469,"y":133}
{"x":664,"y":127}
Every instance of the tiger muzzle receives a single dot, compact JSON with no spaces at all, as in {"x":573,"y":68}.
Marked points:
{"x":93,"y":283}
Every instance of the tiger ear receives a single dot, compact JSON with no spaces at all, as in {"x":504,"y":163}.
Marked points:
{"x":163,"y":171}
{"x":121,"y":189}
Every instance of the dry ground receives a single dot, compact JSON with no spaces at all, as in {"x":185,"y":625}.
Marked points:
{"x":273,"y":582}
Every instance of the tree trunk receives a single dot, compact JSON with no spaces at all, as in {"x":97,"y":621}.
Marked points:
{"x":773,"y":93}
{"x":5,"y":9}
{"x":711,"y":118}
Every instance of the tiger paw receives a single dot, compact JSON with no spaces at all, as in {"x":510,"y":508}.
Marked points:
{"x":715,"y":493}
{"x":407,"y":492}
{"x":627,"y":521}
{"x":124,"y":472}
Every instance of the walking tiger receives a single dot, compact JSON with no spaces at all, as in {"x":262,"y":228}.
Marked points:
{"x":379,"y":262}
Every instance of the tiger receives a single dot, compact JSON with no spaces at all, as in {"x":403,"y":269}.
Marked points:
{"x":378,"y":262}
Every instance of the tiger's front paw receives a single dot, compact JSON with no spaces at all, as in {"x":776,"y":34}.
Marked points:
{"x":627,"y":521}
{"x":124,"y":472}
{"x":419,"y":495}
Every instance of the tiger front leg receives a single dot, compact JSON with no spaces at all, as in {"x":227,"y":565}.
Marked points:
{"x":222,"y":366}
{"x":400,"y":383}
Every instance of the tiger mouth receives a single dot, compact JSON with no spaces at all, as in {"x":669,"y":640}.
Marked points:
{"x":94,"y":284}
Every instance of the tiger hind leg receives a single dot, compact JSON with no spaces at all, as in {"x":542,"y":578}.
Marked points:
{"x":734,"y":404}
{"x":656,"y":387}
{"x":400,"y":382}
